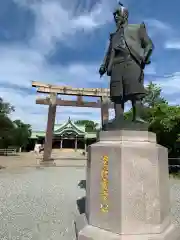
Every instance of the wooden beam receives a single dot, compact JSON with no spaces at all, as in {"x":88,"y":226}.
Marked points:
{"x":79,"y":99}
{"x":97,"y":92}
{"x":68,"y":103}
{"x":39,"y":84}
{"x":67,"y":90}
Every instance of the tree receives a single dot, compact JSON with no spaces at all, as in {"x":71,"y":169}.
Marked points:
{"x":6,"y":131}
{"x":90,"y":126}
{"x":153,"y":97}
{"x":21,"y":133}
{"x":6,"y":125}
{"x":14,"y":133}
{"x":165,"y":122}
{"x":5,"y":108}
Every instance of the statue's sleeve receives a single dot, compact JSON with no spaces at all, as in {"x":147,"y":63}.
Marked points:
{"x":146,"y":42}
{"x":108,"y":53}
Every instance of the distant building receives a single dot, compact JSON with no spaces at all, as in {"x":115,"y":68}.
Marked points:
{"x":66,"y":135}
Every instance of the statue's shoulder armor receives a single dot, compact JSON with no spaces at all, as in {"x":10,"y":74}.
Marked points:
{"x":134,"y":26}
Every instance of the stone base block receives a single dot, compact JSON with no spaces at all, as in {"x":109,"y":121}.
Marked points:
{"x":94,"y":233}
{"x":121,"y":124}
{"x":128,"y":184}
{"x":127,"y":189}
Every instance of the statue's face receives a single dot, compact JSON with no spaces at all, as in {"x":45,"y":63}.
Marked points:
{"x":120,"y":16}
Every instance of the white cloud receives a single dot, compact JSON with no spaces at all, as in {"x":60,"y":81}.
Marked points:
{"x":172,"y":44}
{"x":155,"y":23}
{"x":158,"y":28}
{"x":150,"y":69}
{"x":170,"y":35}
{"x":55,"y":21}
{"x":20,"y":64}
{"x":35,"y":114}
{"x":170,"y":84}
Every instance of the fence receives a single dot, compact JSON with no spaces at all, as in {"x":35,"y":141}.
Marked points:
{"x":174,"y":165}
{"x":8,"y":151}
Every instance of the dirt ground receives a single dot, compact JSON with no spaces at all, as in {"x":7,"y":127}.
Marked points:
{"x":30,"y":159}
{"x":20,"y":160}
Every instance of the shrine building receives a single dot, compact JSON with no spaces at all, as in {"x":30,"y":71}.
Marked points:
{"x":66,"y":135}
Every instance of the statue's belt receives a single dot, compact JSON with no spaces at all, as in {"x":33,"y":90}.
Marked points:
{"x":121,"y":59}
{"x":127,"y":58}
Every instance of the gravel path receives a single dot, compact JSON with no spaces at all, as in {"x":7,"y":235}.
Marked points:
{"x":40,"y":204}
{"x":175,"y":200}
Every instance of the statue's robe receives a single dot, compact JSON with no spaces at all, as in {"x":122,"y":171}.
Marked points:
{"x":127,"y":49}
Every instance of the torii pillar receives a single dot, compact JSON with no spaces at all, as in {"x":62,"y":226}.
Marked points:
{"x":104,"y":111}
{"x":50,"y":129}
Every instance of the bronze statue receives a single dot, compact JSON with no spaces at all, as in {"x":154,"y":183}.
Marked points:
{"x":129,"y":51}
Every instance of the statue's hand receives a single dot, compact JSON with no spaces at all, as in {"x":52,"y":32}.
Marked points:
{"x":145,"y":62}
{"x":148,"y":62}
{"x":102,"y":70}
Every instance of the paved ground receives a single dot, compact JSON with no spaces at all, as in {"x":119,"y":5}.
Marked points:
{"x":175,"y":200}
{"x":62,"y":158}
{"x":40,"y":203}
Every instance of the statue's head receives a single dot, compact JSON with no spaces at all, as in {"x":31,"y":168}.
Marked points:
{"x":120,"y":15}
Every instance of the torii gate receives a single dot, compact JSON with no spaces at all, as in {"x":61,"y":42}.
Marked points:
{"x":52,"y":100}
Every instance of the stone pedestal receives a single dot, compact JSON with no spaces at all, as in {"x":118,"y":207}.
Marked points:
{"x":127,"y":189}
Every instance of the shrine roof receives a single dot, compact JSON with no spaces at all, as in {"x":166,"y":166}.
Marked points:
{"x":69,"y":125}
{"x":60,"y":129}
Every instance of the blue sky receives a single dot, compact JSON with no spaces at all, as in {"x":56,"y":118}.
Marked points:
{"x":63,"y":42}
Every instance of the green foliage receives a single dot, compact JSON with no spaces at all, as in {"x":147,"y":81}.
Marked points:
{"x":21,"y":133}
{"x":5,"y":108}
{"x":163,"y":119}
{"x":6,"y":125}
{"x":6,"y":131}
{"x":153,"y":98}
{"x":90,"y":126}
{"x":175,"y":175}
{"x":165,"y":122}
{"x":14,"y":133}
{"x":153,"y":95}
